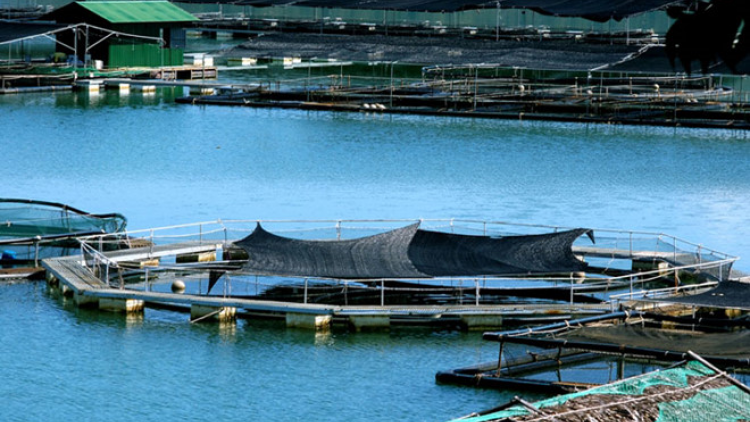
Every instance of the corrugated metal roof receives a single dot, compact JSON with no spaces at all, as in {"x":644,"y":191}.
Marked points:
{"x":137,"y":11}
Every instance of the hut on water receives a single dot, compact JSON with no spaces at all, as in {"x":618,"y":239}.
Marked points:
{"x":123,"y":34}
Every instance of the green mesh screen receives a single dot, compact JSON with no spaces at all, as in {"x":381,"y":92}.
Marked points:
{"x":20,"y":219}
{"x":714,"y":400}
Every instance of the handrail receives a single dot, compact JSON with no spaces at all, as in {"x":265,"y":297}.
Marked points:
{"x":486,"y":225}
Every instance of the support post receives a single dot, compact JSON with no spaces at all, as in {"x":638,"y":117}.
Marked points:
{"x":203,"y":312}
{"x":129,"y":306}
{"x":309,"y":321}
{"x":500,"y":359}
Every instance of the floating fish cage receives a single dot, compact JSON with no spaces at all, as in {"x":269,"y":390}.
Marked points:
{"x":401,"y":262}
{"x":492,"y":91}
{"x":32,"y":230}
{"x":576,"y":355}
{"x":691,"y":390}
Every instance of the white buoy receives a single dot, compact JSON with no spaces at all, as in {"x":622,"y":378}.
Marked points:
{"x":178,"y":286}
{"x":579,"y":276}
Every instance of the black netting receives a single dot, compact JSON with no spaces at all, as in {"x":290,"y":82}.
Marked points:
{"x":734,"y":345}
{"x":412,"y":253}
{"x":598,"y":10}
{"x":378,"y":256}
{"x":728,"y":294}
{"x":445,"y":254}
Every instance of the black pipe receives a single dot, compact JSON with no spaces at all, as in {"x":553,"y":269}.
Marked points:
{"x":500,"y":336}
{"x":622,"y":349}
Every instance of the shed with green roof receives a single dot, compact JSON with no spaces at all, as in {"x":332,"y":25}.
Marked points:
{"x":155,"y":32}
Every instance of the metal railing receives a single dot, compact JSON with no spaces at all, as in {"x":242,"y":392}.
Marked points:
{"x":225,"y":232}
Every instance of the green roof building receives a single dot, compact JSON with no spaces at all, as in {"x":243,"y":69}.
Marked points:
{"x":124,"y":33}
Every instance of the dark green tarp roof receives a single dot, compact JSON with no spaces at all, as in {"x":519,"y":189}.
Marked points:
{"x":124,"y":12}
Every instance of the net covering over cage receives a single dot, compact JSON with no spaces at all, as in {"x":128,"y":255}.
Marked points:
{"x":691,"y":392}
{"x":597,"y":10}
{"x":28,"y":218}
{"x":410,"y":252}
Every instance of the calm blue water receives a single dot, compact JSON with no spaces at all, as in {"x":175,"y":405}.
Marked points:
{"x":161,"y":164}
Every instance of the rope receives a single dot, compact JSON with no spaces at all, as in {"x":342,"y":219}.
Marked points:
{"x":192,"y":321}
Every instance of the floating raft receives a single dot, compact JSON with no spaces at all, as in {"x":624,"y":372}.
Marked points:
{"x":208,"y":265}
{"x":676,"y":394}
{"x":639,"y":101}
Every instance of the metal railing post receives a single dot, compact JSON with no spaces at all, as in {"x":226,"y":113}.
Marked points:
{"x":305,"y":298}
{"x":571,"y":289}
{"x":36,"y":251}
{"x":476,"y":294}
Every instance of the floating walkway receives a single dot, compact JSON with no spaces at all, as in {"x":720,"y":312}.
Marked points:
{"x":75,"y":280}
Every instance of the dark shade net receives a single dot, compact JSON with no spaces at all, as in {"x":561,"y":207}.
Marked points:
{"x":382,"y":255}
{"x":444,"y":254}
{"x":411,"y":253}
{"x":598,"y":10}
{"x":728,"y":294}
{"x":733,"y":345}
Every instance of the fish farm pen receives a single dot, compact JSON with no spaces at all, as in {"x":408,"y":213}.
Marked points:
{"x":576,"y":355}
{"x":690,"y":390}
{"x":377,"y":274}
{"x":34,"y":230}
{"x":492,"y":91}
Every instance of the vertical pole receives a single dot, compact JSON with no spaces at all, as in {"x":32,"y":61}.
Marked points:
{"x":382,"y":292}
{"x":500,"y":359}
{"x":390,"y":103}
{"x":742,"y":80}
{"x":36,"y":253}
{"x":631,"y":287}
{"x":476,"y":294}
{"x":571,"y":289}
{"x":86,"y":46}
{"x":497,"y":23}
{"x":305,"y":298}
{"x":476,"y":76}
{"x":75,"y":48}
